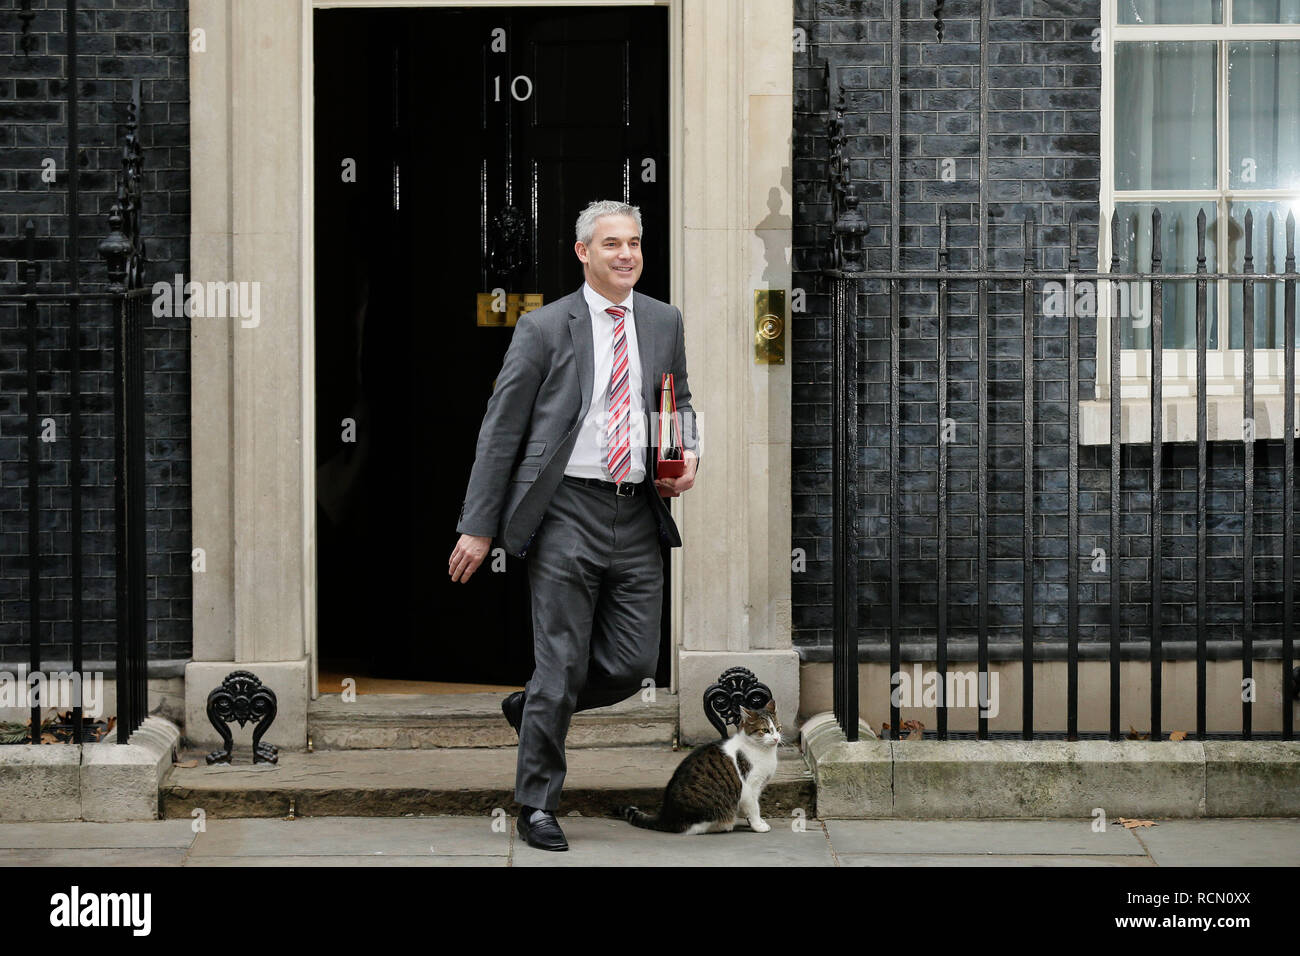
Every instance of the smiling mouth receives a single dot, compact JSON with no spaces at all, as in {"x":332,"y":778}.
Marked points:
{"x":622,"y":268}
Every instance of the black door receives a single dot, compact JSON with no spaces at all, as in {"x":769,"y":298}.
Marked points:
{"x":454,"y":150}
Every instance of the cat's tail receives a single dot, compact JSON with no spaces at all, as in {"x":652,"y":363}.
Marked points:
{"x":639,"y":818}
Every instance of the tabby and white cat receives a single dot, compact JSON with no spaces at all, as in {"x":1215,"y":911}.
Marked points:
{"x":719,"y":782}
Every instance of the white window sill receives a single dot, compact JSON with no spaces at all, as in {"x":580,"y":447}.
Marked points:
{"x":1224,"y":419}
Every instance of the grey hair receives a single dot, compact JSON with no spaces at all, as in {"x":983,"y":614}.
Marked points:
{"x":586,"y":226}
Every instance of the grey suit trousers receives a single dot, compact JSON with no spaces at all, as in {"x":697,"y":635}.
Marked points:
{"x":596,"y":577}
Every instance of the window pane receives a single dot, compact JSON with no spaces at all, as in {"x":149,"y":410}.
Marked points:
{"x":1266,"y":11}
{"x":1269,"y":247}
{"x":1170,"y":11}
{"x":1164,"y":95}
{"x":1178,"y":254}
{"x":1264,"y":114}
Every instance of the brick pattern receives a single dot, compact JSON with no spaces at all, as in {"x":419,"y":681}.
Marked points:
{"x":1043,"y":147}
{"x":1043,"y":150}
{"x":118,"y":40}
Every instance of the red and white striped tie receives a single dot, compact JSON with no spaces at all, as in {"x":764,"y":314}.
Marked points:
{"x":618,"y":448}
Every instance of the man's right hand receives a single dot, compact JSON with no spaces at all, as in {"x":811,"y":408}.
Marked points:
{"x":468,"y":554}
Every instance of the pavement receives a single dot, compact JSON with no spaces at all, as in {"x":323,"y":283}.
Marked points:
{"x":491,"y":840}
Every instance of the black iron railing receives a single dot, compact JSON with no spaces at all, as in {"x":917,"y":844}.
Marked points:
{"x":845,"y":286}
{"x":46,"y":313}
{"x":846,"y":272}
{"x":129,"y":508}
{"x":42,"y":314}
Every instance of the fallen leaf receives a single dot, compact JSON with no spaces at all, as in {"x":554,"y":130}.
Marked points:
{"x":186,"y":763}
{"x":1133,"y":824}
{"x":1178,"y":735}
{"x":1134,"y":735}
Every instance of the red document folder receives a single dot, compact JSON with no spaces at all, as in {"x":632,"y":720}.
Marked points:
{"x":669,"y":460}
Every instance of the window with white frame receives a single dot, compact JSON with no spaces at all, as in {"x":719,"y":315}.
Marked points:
{"x":1201,"y":110}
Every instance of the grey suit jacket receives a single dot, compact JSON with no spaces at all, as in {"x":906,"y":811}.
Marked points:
{"x":541,"y":397}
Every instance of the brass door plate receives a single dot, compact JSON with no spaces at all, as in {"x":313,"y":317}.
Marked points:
{"x":769,"y":326}
{"x":516,"y":304}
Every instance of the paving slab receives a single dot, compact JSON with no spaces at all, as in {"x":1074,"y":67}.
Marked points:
{"x":82,"y":856}
{"x":617,"y":843}
{"x":979,"y":837}
{"x":355,"y":837}
{"x":1224,"y":842}
{"x":957,"y":859}
{"x":349,"y":861}
{"x":79,"y":835}
{"x":595,"y":841}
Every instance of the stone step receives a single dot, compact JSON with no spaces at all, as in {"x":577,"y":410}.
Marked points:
{"x":460,"y":781}
{"x":423,"y":721}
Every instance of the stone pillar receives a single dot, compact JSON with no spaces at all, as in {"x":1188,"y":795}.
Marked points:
{"x":737,"y":210}
{"x":248,"y":407}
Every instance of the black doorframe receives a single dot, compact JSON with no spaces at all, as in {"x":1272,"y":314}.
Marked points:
{"x":339,"y":226}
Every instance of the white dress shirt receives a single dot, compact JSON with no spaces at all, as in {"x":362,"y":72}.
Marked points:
{"x":588,"y":457}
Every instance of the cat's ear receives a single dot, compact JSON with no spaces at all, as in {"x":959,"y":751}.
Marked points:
{"x":771,"y":705}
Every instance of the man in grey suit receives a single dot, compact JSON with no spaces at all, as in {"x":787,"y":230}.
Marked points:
{"x":564,"y":474}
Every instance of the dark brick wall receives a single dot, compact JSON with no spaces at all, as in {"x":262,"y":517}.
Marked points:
{"x":118,"y":40}
{"x":1043,"y":149}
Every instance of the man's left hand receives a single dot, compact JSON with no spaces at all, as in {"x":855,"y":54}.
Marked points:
{"x":672,"y":487}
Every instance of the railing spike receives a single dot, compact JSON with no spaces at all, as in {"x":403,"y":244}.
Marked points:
{"x":1114,"y":242}
{"x":1074,"y":242}
{"x":1290,"y":242}
{"x":1250,"y":242}
{"x":1200,"y":240}
{"x":1156,"y":256}
{"x":30,"y":270}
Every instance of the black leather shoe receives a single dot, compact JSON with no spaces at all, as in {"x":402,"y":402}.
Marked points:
{"x":541,"y":829}
{"x":513,"y":708}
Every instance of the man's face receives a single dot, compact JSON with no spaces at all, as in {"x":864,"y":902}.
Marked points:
{"x":612,"y":262}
